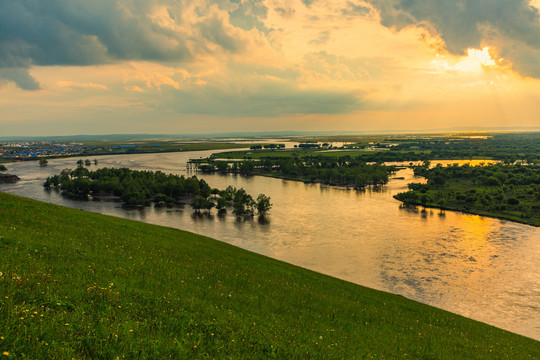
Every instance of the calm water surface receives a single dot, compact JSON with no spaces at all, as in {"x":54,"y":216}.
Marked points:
{"x":482,"y":268}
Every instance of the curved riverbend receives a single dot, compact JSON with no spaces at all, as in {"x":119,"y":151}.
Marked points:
{"x":483,"y":268}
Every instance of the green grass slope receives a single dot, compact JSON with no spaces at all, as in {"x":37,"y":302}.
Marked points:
{"x":86,"y":286}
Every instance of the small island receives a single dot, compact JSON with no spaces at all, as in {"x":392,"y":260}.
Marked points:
{"x":141,"y":188}
{"x":8,"y":179}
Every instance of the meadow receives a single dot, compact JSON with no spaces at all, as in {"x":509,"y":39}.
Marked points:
{"x":81,"y":285}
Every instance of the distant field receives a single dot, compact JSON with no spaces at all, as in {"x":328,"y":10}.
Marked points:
{"x":82,"y":285}
{"x":168,"y":146}
{"x":258,"y":154}
{"x":507,"y":147}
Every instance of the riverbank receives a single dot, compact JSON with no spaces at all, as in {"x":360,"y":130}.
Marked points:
{"x":517,"y":219}
{"x":84,"y":285}
{"x":140,"y":148}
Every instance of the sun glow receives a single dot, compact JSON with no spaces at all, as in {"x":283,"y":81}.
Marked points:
{"x":475,"y":61}
{"x":482,"y":55}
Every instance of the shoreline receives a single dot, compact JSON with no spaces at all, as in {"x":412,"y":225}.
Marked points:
{"x":13,"y":160}
{"x":469,"y":212}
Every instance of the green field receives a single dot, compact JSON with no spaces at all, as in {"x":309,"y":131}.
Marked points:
{"x":80,"y":285}
{"x":507,"y":147}
{"x":158,"y":146}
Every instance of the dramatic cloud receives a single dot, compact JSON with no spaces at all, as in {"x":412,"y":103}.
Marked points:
{"x":21,"y":77}
{"x":287,"y":64}
{"x":512,"y":27}
{"x":241,"y":90}
{"x":80,"y":32}
{"x":75,"y":32}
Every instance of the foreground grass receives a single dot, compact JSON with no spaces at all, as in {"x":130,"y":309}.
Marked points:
{"x":80,"y":285}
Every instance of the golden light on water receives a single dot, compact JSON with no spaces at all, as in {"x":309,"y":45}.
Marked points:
{"x":478,"y":228}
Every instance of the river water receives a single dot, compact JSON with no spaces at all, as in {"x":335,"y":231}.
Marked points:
{"x":483,"y":268}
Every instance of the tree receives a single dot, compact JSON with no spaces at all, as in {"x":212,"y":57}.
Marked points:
{"x":47,"y":183}
{"x":199,"y":202}
{"x":161,"y":199}
{"x":243,"y":203}
{"x":263,"y":204}
{"x":2,"y":168}
{"x":87,"y":162}
{"x":80,"y":163}
{"x":95,"y":161}
{"x":222,"y":166}
{"x":43,"y":162}
{"x":424,"y":199}
{"x":80,"y":172}
{"x":221,"y":203}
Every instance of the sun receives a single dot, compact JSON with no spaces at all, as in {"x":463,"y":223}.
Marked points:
{"x":474,"y":61}
{"x":482,"y":56}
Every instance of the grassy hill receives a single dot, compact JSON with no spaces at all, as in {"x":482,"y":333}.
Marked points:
{"x":80,"y":285}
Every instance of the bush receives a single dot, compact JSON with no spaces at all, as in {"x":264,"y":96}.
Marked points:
{"x":493,"y":181}
{"x":512,"y":201}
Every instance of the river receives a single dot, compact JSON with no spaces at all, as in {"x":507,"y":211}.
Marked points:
{"x":483,"y":268}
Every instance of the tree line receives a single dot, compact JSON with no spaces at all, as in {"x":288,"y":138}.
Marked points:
{"x":143,"y":187}
{"x":342,"y":171}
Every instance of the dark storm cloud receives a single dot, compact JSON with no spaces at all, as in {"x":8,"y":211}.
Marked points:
{"x":20,"y":77}
{"x":82,"y":32}
{"x":77,"y":32}
{"x":513,"y":26}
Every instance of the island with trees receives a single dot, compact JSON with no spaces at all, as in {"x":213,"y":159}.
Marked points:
{"x":140,"y":188}
{"x":342,"y":171}
{"x":504,"y":191}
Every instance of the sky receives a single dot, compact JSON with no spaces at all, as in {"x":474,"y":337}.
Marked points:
{"x":196,"y":66}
